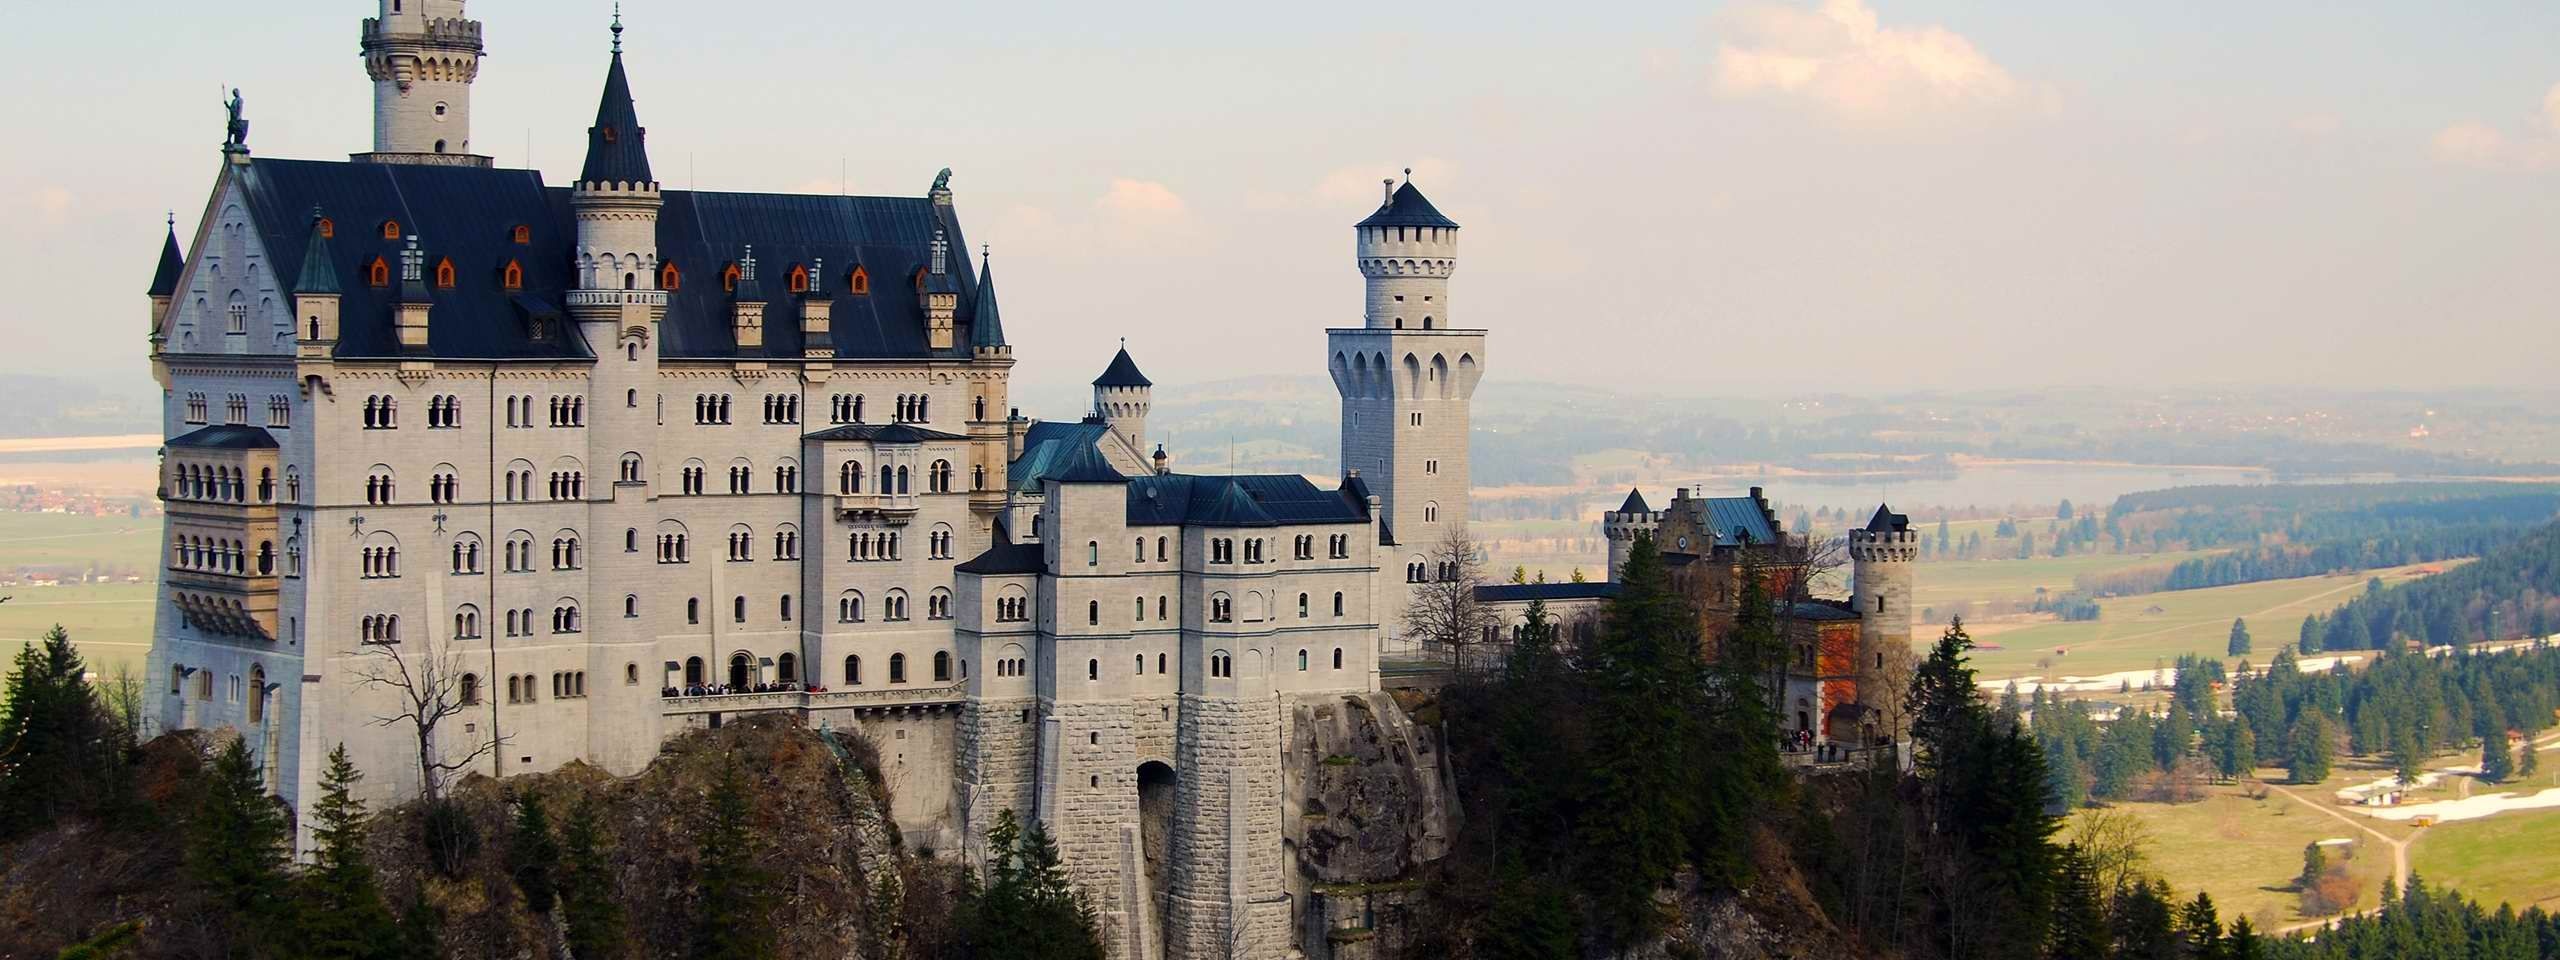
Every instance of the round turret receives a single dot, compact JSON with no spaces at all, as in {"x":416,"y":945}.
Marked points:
{"x":1881,"y":559}
{"x":1121,"y":396}
{"x":422,"y":56}
{"x":1622,"y":526}
{"x":1407,"y":251}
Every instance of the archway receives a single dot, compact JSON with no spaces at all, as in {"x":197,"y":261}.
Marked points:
{"x":741,"y":669}
{"x":1156,"y":782}
{"x":693,"y":671}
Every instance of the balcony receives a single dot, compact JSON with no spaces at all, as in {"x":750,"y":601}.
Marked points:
{"x":616,"y":298}
{"x":888,"y":697}
{"x":895,"y":509}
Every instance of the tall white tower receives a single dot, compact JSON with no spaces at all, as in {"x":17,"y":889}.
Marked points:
{"x":1881,"y":557}
{"x":422,"y":56}
{"x":1121,"y":396}
{"x":1408,"y":373}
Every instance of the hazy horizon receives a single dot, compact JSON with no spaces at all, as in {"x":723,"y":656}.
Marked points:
{"x":1865,"y":198}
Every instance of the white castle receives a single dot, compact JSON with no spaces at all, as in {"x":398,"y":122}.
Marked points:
{"x":587,"y":465}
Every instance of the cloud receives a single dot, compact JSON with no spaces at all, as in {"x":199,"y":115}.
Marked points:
{"x":1140,"y":200}
{"x":2481,"y":145}
{"x":1353,"y":187}
{"x":1841,"y":59}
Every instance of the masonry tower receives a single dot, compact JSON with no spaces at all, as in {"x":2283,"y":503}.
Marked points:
{"x":1121,"y":396}
{"x":1407,"y":375}
{"x":422,"y":56}
{"x":1621,"y":526}
{"x":1881,"y":556}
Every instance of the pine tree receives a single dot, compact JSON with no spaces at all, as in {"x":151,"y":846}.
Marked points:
{"x":342,"y":911}
{"x":2144,"y":922}
{"x":58,"y":752}
{"x":2200,"y":930}
{"x":1026,"y":909}
{"x":2310,"y":640}
{"x":587,"y":900}
{"x":1642,"y":671}
{"x":2243,"y":943}
{"x":2497,"y":762}
{"x":2407,"y":759}
{"x":1528,"y":919}
{"x":532,"y":855}
{"x":2079,"y":919}
{"x":2308,"y":756}
{"x":729,"y":923}
{"x":2239,"y":645}
{"x":236,"y":846}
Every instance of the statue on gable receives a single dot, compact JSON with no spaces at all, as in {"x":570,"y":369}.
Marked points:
{"x":236,"y":132}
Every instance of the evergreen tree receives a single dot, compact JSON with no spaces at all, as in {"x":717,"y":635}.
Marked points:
{"x":1643,"y":675}
{"x":729,"y":923}
{"x":1026,"y":909}
{"x":1945,"y":709}
{"x":2079,"y":919}
{"x":1738,"y":773}
{"x":2243,"y":943}
{"x":2200,"y":930}
{"x":2407,"y":759}
{"x":2532,"y":757}
{"x":236,"y":848}
{"x":2239,"y":645}
{"x":2308,"y":756}
{"x":2310,"y":640}
{"x":2497,"y":762}
{"x":587,"y":900}
{"x":58,"y":751}
{"x":2144,"y":922}
{"x":532,"y":855}
{"x":342,"y":911}
{"x":1529,"y":919}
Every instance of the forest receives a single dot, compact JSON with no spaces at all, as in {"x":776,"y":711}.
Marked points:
{"x":2512,"y":591}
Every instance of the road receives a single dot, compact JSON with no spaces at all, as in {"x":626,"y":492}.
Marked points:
{"x":2399,"y":857}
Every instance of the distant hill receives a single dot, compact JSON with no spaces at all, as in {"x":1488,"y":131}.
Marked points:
{"x":44,"y":406}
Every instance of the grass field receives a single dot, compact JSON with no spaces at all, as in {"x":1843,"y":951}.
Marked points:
{"x":2246,"y":852}
{"x":36,"y":539}
{"x":1939,"y":583}
{"x":111,"y":622}
{"x":2509,"y":858}
{"x":2137,"y":632}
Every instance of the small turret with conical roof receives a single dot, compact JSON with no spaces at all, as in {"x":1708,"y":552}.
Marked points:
{"x":1407,"y":251}
{"x":986,"y":326}
{"x":616,"y":198}
{"x":164,"y":280}
{"x":1121,"y":396}
{"x":315,"y":294}
{"x":1621,"y":526}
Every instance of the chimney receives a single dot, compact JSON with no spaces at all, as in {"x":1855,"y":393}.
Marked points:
{"x":815,"y":309}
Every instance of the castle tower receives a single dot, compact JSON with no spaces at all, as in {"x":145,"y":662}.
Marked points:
{"x":1121,"y":396}
{"x":1408,"y":373}
{"x":1621,"y":526}
{"x":422,"y":56}
{"x":1881,"y":556}
{"x":164,"y":280}
{"x":617,"y":305}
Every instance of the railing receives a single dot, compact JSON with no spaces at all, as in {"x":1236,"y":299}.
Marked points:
{"x":615,"y":298}
{"x":901,"y":695}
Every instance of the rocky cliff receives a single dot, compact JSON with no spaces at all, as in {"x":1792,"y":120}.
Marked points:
{"x":1368,"y":805}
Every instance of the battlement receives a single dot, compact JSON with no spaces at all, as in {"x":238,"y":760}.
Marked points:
{"x":1886,"y":546}
{"x":457,"y":34}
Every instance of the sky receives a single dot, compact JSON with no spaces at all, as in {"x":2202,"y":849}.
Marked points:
{"x":1854,"y":195}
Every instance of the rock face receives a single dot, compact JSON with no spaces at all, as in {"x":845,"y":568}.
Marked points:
{"x":1368,"y":801}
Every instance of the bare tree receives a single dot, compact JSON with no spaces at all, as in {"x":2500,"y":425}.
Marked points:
{"x":429,"y":687}
{"x":1443,"y":609}
{"x":2116,"y":842}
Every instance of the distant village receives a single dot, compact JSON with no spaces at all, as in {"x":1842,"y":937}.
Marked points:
{"x":31,"y":498}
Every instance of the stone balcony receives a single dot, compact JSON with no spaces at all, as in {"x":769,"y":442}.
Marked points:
{"x":886,"y":697}
{"x":892,"y":508}
{"x":616,"y":298}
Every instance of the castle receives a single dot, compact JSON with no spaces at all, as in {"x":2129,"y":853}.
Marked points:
{"x":440,"y":442}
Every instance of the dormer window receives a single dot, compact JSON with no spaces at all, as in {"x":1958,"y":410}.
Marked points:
{"x":378,"y":273}
{"x":729,"y":278}
{"x":668,"y":278}
{"x":328,"y":229}
{"x":799,"y":279}
{"x":860,"y":281}
{"x":391,"y":229}
{"x":513,"y":276}
{"x":919,"y":280}
{"x":444,"y":274}
{"x":607,"y":131}
{"x":523,"y":234}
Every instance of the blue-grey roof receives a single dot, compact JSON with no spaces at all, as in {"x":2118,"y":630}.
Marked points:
{"x":1887,"y":521}
{"x":883,"y":433}
{"x":1083,"y":463}
{"x":1123,"y":372}
{"x":1407,"y":208}
{"x":469,"y":214}
{"x":1525,"y":592}
{"x":1044,"y":447}
{"x":988,"y":331}
{"x":318,"y":275}
{"x":1635,"y":502}
{"x":1819,"y":610}
{"x":164,"y":281}
{"x":1739,"y":521}
{"x":1005,"y":557}
{"x":1248,"y":500}
{"x":617,"y":146}
{"x":226,"y":437}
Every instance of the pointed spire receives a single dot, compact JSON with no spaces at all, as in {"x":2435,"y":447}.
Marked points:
{"x":319,"y":276}
{"x":986,"y":330}
{"x":616,"y":148}
{"x":1123,"y":372}
{"x":164,"y":281}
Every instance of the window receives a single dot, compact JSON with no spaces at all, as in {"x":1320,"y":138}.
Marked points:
{"x":631,"y":468}
{"x":466,"y":554}
{"x":196,"y":408}
{"x":786,"y":611}
{"x":466,"y":622}
{"x":630,"y":606}
{"x":849,"y":608}
{"x":1093,"y":671}
{"x":391,"y":229}
{"x":1093,"y":553}
{"x":1221,"y":664}
{"x":1302,"y":606}
{"x":799,"y":281}
{"x":378,"y":487}
{"x":738,"y":610}
{"x":381,"y":412}
{"x":1431,"y":513}
{"x":937,"y":605}
{"x":471,"y":689}
{"x":1141,"y":614}
{"x":693,"y":610}
{"x":1221,"y":609}
{"x":1302,"y":661}
{"x":1093,"y":612}
{"x":859,"y":281}
{"x":378,"y":273}
{"x":941,"y":666}
{"x":1337,"y":658}
{"x":938,"y":479}
{"x":513,"y":276}
{"x":729,"y":278}
{"x":897,"y":668}
{"x":1337,"y":604}
{"x":444,"y":273}
{"x":852,"y":670}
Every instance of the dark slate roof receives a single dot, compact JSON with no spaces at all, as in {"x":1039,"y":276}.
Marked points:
{"x":318,"y":275}
{"x":1083,"y":463}
{"x":1123,"y":372}
{"x":1045,"y":446}
{"x":988,"y":330}
{"x":1248,"y":500}
{"x":1819,"y":610}
{"x":883,"y":433}
{"x":1005,"y":557}
{"x":1407,"y":208}
{"x":469,"y":214}
{"x":1739,"y":520}
{"x":1525,"y":592}
{"x":1887,"y":521}
{"x":617,"y":146}
{"x":1635,"y":502}
{"x":226,"y":437}
{"x":164,"y":281}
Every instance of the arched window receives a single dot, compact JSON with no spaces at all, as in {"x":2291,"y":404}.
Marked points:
{"x":1337,"y":604}
{"x":1302,"y":607}
{"x":513,"y":276}
{"x":1337,"y":658}
{"x":1302,"y":661}
{"x":378,"y":273}
{"x":786,"y":668}
{"x":729,"y":278}
{"x":328,"y":228}
{"x":391,"y":229}
{"x":852,"y":670}
{"x":897,"y":668}
{"x":523,"y":234}
{"x":860,"y":281}
{"x":669,"y":278}
{"x":1093,"y":612}
{"x":444,"y":273}
{"x":630,"y":605}
{"x":941,"y":666}
{"x":470,"y":689}
{"x":799,"y":281}
{"x":1093,"y":669}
